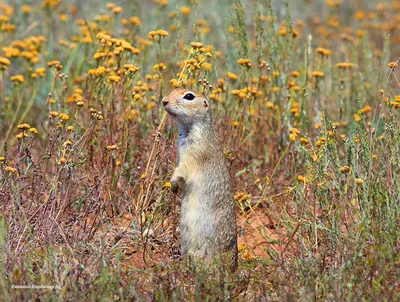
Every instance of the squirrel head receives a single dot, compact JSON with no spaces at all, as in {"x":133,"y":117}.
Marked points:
{"x":187,"y":107}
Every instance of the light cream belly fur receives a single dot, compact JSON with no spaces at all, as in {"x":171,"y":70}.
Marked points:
{"x":197,"y":220}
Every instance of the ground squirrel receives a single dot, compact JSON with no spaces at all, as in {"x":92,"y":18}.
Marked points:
{"x":208,"y":216}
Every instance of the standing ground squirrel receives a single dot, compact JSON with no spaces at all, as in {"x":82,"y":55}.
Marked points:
{"x":208,"y":216}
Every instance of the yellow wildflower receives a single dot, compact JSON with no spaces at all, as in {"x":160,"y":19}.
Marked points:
{"x":174,"y":83}
{"x":63,"y":17}
{"x":318,"y":74}
{"x":17,"y":79}
{"x":196,"y":45}
{"x":114,"y":78}
{"x":4,"y":63}
{"x":162,"y":33}
{"x":40,"y":71}
{"x":99,"y":55}
{"x":135,"y":21}
{"x":292,"y":137}
{"x":117,"y":10}
{"x":366,"y":109}
{"x":303,"y":141}
{"x":10,"y":169}
{"x":25,"y":9}
{"x":64,"y":116}
{"x":232,"y":76}
{"x":359,"y":15}
{"x":302,"y":179}
{"x":323,"y":51}
{"x":244,"y":62}
{"x":54,"y":63}
{"x":295,"y":74}
{"x":21,"y":135}
{"x":33,"y":131}
{"x":67,"y":143}
{"x":345,"y":169}
{"x":131,"y":68}
{"x":185,"y":10}
{"x":358,"y":181}
{"x":344,"y":65}
{"x":23,"y":126}
{"x":99,"y":71}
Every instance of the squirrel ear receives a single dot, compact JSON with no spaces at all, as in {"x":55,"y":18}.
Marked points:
{"x":205,"y":104}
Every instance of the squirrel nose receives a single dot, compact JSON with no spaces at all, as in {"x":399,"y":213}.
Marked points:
{"x":165,"y":103}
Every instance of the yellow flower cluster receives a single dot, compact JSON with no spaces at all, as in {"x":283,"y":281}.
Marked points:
{"x":293,"y":133}
{"x":244,"y":62}
{"x":56,"y":64}
{"x":76,"y":97}
{"x":159,"y":67}
{"x":321,"y":142}
{"x":119,"y":45}
{"x":396,"y":102}
{"x":244,"y":251}
{"x":4,"y":63}
{"x":25,"y":127}
{"x":27,"y":48}
{"x":131,"y":68}
{"x":240,"y":197}
{"x":185,"y":10}
{"x":114,"y":79}
{"x":247,"y":92}
{"x":99,"y":71}
{"x":135,"y":21}
{"x":344,"y":65}
{"x":318,"y":74}
{"x":323,"y":51}
{"x":17,"y":79}
{"x":39,"y":72}
{"x":232,"y":76}
{"x":303,"y":179}
{"x":158,"y":33}
{"x":10,"y":169}
{"x":196,"y":45}
{"x":345,"y":169}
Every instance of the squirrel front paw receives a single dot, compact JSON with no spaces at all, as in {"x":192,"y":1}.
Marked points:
{"x":177,"y":179}
{"x":174,"y":186}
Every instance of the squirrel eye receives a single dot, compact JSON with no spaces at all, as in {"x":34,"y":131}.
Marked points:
{"x":189,"y":96}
